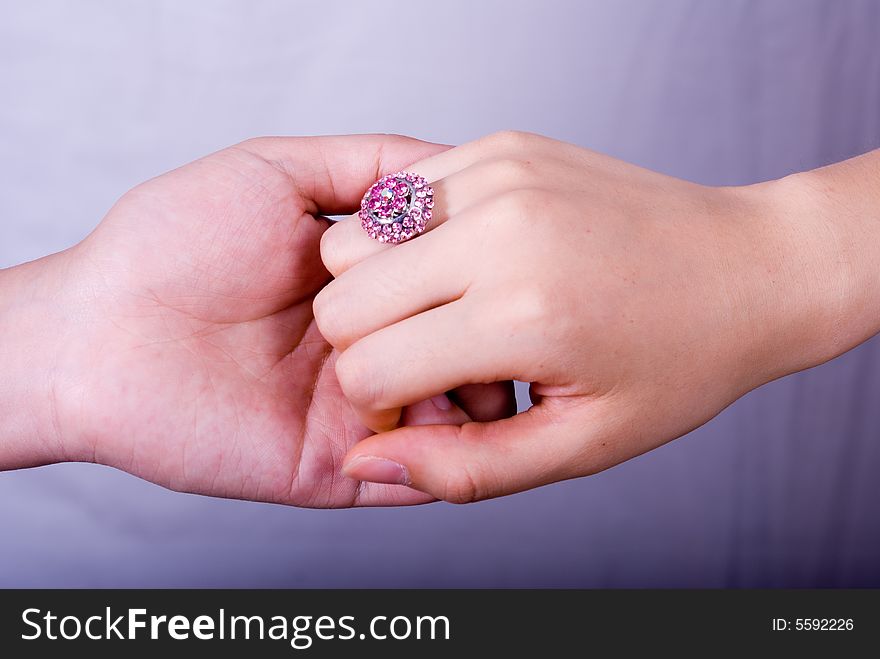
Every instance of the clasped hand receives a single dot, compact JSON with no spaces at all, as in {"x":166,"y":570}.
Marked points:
{"x":197,"y":339}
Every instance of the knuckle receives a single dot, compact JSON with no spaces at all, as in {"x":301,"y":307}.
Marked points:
{"x":461,"y":486}
{"x":398,"y":139}
{"x":259,"y":145}
{"x":365,"y":380}
{"x":254,"y":143}
{"x":514,"y":172}
{"x":332,"y":324}
{"x":512,"y":140}
{"x":475,"y":479}
{"x":332,"y":250}
{"x":523,"y":204}
{"x":355,"y":378}
{"x":531,"y":306}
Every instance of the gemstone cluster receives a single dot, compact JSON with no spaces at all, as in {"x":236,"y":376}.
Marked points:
{"x":397,"y":207}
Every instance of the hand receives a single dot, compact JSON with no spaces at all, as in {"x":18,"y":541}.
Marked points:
{"x":637,"y":305}
{"x":177,"y":342}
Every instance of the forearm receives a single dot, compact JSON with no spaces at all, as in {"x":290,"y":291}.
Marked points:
{"x":32,"y":326}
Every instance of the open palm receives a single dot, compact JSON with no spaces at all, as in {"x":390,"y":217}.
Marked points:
{"x":197,"y":363}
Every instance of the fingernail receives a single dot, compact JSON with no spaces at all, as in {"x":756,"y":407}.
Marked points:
{"x":377,"y":470}
{"x":442,"y":402}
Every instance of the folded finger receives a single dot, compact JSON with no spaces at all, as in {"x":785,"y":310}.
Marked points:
{"x":393,"y":285}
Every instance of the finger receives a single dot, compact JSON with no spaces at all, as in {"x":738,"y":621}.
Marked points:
{"x":437,"y":410}
{"x":346,"y":244}
{"x":461,"y":464}
{"x":486,"y":402}
{"x":394,"y":285}
{"x":505,"y":145}
{"x":427,"y":354}
{"x":382,"y":494}
{"x":332,"y":172}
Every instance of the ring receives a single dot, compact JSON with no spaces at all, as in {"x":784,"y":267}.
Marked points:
{"x":397,"y":207}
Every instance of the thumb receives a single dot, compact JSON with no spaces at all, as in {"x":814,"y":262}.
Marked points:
{"x":331,"y":173}
{"x":474,"y":461}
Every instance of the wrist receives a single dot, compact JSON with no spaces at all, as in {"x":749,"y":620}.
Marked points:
{"x":820,"y":278}
{"x":34,"y":325}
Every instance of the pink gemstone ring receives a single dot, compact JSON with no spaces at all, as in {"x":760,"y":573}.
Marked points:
{"x":397,"y":207}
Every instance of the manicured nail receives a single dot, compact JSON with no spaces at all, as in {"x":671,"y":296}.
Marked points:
{"x":442,"y":402}
{"x":377,"y":470}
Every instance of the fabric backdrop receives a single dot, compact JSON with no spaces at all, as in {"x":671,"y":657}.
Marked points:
{"x":780,"y":490}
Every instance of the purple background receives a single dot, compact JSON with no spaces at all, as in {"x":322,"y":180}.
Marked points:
{"x":780,"y":490}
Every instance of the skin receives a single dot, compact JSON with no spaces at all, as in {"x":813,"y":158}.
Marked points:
{"x":637,"y":305}
{"x":177,"y":342}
